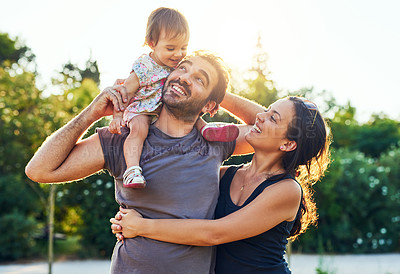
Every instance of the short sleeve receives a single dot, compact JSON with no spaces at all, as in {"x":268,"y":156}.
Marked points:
{"x":229,"y":148}
{"x":224,"y":149}
{"x":143,"y":68}
{"x":113,"y":150}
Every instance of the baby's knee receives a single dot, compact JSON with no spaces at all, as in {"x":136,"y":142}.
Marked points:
{"x":138,"y":128}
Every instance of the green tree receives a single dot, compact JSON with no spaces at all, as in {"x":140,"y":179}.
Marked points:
{"x":23,"y":123}
{"x":377,"y":136}
{"x":14,"y":52}
{"x":27,"y":117}
{"x":260,"y":87}
{"x":324,"y":99}
{"x":358,"y":203}
{"x":373,"y":138}
{"x":344,"y":127}
{"x":71,"y":76}
{"x":84,"y":207}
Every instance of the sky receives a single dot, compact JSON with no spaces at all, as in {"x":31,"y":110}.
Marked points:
{"x":350,"y":48}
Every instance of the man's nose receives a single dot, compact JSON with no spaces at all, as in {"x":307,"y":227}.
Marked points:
{"x":185,"y":78}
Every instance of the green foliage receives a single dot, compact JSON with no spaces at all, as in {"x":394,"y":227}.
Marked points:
{"x":16,"y":193}
{"x":326,"y":102}
{"x":71,"y":76}
{"x":16,"y":235}
{"x":372,"y":138}
{"x":26,"y":119}
{"x":13,"y":52}
{"x":260,"y":87}
{"x":344,"y":127}
{"x":95,"y":201}
{"x":24,"y":123}
{"x":377,"y":136}
{"x":358,"y":203}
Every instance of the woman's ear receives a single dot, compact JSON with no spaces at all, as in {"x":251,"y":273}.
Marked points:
{"x":288,"y":146}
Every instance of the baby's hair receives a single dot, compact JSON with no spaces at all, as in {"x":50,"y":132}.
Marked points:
{"x":170,"y":20}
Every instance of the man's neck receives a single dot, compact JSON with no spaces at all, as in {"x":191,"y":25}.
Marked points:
{"x":173,"y":126}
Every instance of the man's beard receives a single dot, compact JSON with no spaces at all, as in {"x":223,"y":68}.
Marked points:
{"x":189,"y":109}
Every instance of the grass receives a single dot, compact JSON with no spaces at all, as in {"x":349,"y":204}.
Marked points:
{"x":63,"y":249}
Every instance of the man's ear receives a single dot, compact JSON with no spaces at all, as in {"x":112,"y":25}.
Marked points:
{"x":211,"y":107}
{"x":214,"y":110}
{"x":288,"y":146}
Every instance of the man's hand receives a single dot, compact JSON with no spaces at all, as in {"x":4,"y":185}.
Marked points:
{"x":110,"y":98}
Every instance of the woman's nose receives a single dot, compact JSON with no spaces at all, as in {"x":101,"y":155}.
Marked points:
{"x":260,"y":116}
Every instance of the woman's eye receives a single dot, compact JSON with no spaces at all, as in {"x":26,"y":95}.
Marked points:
{"x":273,"y":119}
{"x":170,"y":49}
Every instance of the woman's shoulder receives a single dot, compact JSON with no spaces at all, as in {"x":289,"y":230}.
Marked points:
{"x":226,"y":170}
{"x":289,"y":188}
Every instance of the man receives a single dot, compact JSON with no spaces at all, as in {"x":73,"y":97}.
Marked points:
{"x":181,"y":168}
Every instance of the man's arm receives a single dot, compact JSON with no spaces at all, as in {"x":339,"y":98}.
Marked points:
{"x":245,"y":111}
{"x":64,"y":156}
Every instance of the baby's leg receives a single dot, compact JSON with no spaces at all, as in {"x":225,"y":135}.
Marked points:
{"x":133,"y":146}
{"x":217,"y":132}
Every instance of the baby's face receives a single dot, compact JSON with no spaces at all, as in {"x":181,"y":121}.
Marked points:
{"x":170,"y":51}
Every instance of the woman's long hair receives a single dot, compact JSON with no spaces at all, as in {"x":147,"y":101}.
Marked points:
{"x":309,"y":160}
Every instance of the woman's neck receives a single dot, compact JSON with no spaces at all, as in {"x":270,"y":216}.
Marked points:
{"x":265,"y":165}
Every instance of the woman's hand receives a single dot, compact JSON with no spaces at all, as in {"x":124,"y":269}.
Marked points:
{"x":125,"y":224}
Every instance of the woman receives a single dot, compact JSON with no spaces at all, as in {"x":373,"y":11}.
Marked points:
{"x":261,"y":204}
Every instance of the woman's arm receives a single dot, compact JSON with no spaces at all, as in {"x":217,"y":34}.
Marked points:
{"x":245,"y":111}
{"x":274,"y":205}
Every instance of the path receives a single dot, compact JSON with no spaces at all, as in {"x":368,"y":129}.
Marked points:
{"x":300,"y":264}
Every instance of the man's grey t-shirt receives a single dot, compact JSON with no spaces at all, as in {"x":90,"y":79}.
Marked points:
{"x":182,"y":177}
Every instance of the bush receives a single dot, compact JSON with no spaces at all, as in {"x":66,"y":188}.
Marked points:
{"x":16,"y":236}
{"x":358,"y":204}
{"x":84,"y":209}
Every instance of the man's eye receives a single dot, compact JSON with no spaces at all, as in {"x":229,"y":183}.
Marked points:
{"x":273,"y":119}
{"x":200,"y":80}
{"x":170,"y":49}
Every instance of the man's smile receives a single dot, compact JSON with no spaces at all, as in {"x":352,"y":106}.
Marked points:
{"x":178,"y":90}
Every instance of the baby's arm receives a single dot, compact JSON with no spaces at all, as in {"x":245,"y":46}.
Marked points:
{"x":132,"y":85}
